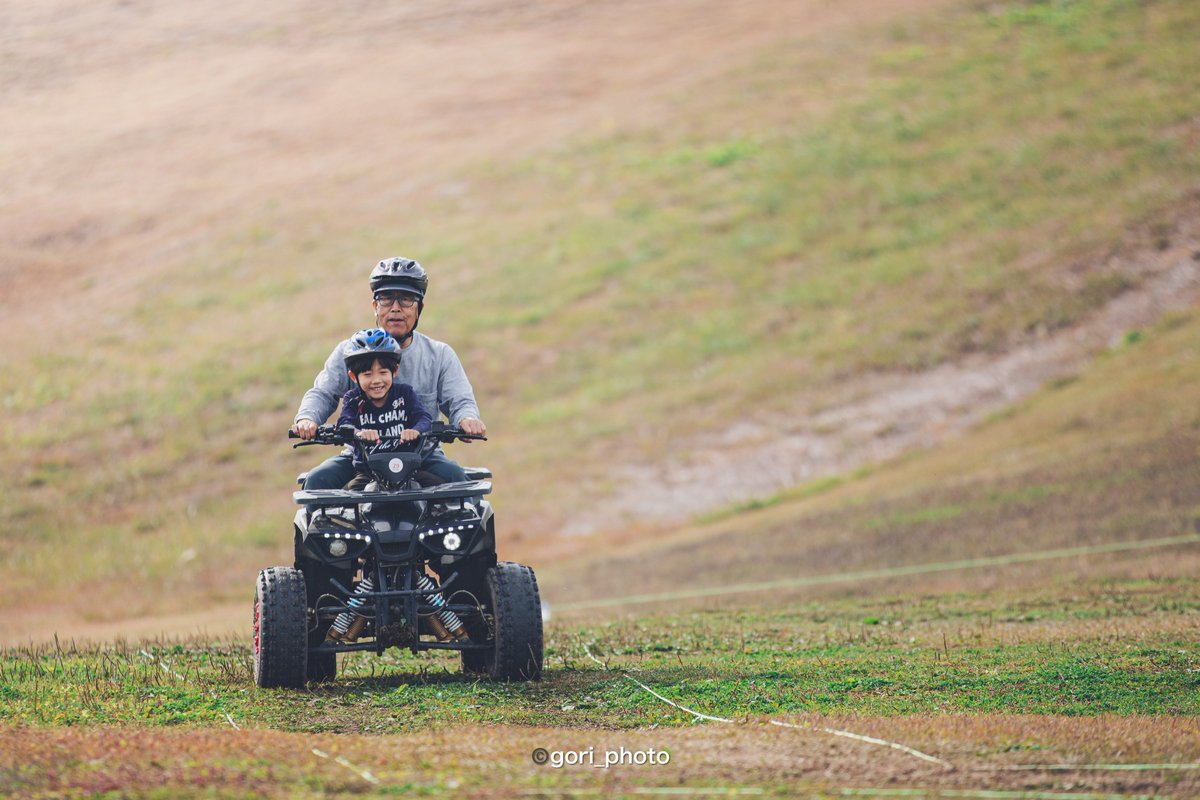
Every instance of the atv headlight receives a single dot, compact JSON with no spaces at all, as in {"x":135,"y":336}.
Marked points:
{"x":341,"y":545}
{"x":448,"y":538}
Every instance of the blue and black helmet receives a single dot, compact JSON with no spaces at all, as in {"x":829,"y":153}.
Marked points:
{"x":368,"y":345}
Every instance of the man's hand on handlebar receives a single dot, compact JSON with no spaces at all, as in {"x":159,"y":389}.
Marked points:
{"x":472,"y":426}
{"x":305,"y":429}
{"x":312,"y":433}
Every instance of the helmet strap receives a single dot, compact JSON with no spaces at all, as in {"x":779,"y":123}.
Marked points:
{"x":401,"y":340}
{"x":416,"y":322}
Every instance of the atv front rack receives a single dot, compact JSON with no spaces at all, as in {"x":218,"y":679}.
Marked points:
{"x":347,"y":497}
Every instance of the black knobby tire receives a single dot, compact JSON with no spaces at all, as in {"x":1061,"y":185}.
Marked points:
{"x":517,"y":611}
{"x":280,"y":629}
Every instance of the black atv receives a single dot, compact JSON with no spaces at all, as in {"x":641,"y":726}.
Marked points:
{"x":362,"y":581}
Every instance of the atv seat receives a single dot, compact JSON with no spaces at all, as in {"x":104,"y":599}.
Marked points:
{"x":477,"y":473}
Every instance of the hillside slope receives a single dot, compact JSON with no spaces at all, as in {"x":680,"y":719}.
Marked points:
{"x":1035,"y":496}
{"x":781,"y":213}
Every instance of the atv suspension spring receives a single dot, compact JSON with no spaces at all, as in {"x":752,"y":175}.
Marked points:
{"x":445,"y":616}
{"x":341,"y":625}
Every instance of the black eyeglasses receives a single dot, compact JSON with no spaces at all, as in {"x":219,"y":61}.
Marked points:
{"x":389,"y":300}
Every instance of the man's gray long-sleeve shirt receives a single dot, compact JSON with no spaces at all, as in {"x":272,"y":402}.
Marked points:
{"x":431,"y":367}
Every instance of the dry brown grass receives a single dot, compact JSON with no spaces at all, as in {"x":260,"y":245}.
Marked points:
{"x":985,"y":752}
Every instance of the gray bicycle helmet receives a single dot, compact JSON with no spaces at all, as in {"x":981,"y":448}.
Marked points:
{"x":399,"y":275}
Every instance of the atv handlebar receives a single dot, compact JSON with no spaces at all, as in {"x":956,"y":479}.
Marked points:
{"x":333,"y":434}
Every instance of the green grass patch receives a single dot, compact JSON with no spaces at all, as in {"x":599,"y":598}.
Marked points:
{"x":897,"y":656}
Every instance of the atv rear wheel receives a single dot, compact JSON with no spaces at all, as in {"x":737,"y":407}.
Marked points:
{"x":516,"y":609}
{"x":280,"y":629}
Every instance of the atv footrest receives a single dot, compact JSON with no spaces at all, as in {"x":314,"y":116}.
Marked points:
{"x":372,"y":644}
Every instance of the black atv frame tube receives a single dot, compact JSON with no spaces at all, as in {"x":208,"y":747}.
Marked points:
{"x":387,"y":593}
{"x":364,"y":646}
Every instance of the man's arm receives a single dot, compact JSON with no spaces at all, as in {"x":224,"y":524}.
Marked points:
{"x":321,"y":400}
{"x":456,"y":395}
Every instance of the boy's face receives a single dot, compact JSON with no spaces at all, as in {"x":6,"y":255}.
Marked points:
{"x":375,"y":381}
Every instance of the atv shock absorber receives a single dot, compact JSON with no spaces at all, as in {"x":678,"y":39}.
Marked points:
{"x":445,"y":623}
{"x":349,"y":623}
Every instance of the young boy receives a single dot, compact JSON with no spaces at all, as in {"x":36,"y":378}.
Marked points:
{"x":385,"y":414}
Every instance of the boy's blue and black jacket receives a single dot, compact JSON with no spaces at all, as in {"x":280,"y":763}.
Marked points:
{"x":401,"y":409}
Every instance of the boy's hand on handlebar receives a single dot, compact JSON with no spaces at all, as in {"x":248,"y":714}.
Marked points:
{"x":305,"y":429}
{"x":473,"y":426}
{"x":408,"y":435}
{"x":370,"y":436}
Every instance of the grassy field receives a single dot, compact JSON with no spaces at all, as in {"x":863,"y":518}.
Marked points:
{"x":1011,"y":611}
{"x":977,"y":684}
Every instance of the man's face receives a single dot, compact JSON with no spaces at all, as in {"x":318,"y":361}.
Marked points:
{"x":375,"y":381}
{"x":396,"y":312}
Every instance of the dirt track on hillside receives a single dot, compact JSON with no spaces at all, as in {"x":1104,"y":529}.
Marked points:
{"x":881,"y":416}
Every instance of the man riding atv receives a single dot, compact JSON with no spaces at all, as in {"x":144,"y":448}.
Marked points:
{"x":406,"y":555}
{"x":432,"y":368}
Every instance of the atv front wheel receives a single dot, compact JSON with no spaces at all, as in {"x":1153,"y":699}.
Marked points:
{"x":280,"y":629}
{"x":517,"y":613}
